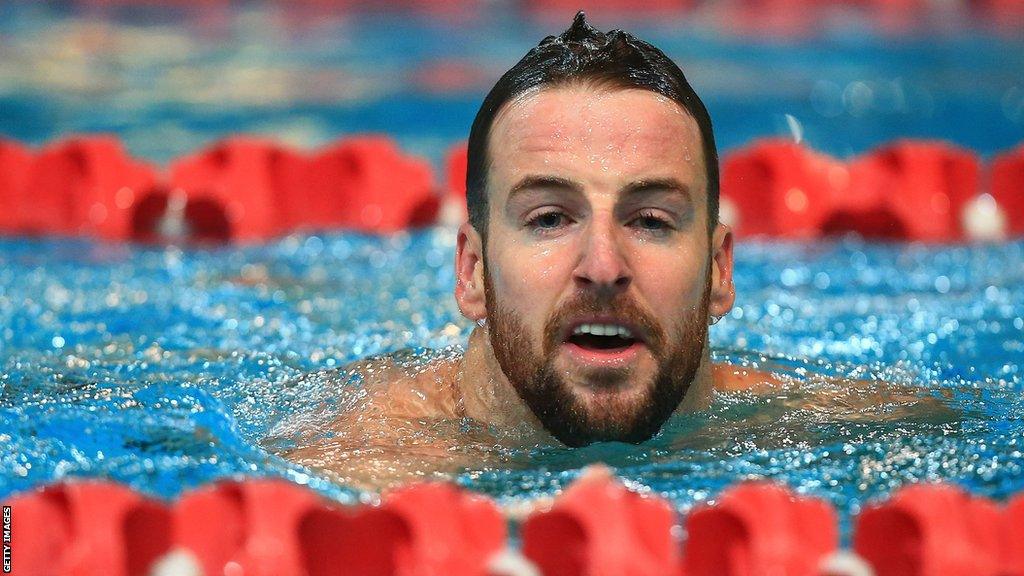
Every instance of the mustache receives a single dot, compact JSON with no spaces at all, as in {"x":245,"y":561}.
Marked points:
{"x":620,"y":306}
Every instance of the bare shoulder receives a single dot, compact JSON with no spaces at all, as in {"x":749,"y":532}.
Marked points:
{"x":407,"y":385}
{"x":867,"y":399}
{"x":736,"y":378}
{"x":739,"y":378}
{"x":400,"y":425}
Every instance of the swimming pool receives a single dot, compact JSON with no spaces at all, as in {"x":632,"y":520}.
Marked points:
{"x":166,"y":368}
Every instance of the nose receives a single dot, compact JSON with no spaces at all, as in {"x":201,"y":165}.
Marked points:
{"x":602,"y":262}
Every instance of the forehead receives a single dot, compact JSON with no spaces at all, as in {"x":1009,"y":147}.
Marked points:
{"x":601,"y":132}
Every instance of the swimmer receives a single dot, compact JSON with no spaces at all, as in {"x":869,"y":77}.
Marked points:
{"x":593,"y":263}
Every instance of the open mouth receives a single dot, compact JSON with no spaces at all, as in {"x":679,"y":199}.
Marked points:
{"x":602,"y":337}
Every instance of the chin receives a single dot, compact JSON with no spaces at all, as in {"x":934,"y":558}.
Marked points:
{"x":613,"y":431}
{"x":612,"y":393}
{"x":613,"y":408}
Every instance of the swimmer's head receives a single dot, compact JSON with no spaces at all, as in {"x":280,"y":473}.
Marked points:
{"x":584,"y":55}
{"x":594,"y":250}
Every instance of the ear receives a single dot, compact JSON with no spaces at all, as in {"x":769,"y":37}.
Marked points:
{"x":723,"y":292}
{"x":469,"y":273}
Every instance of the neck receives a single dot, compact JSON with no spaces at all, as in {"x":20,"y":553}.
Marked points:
{"x":698,"y":395}
{"x":486,"y":393}
{"x":488,"y":396}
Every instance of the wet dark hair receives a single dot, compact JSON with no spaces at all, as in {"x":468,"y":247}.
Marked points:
{"x":582,"y":54}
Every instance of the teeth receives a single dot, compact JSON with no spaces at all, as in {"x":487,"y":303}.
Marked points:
{"x":603,"y":330}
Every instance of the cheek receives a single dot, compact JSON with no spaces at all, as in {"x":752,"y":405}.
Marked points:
{"x":670,"y":281}
{"x":529,"y":279}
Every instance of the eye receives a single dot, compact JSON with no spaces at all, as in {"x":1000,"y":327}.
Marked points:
{"x":550,"y":220}
{"x":650,"y":222}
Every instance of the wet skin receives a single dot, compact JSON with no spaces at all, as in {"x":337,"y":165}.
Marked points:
{"x":594,"y":192}
{"x":598,"y":196}
{"x":412,"y":423}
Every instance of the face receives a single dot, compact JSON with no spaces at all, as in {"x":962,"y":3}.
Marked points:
{"x":599,"y":275}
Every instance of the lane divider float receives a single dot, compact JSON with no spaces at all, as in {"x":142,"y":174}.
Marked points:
{"x":924,"y":191}
{"x":246,"y":189}
{"x":596,"y":527}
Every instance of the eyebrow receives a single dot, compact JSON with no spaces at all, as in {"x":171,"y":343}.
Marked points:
{"x":546,"y":181}
{"x":534,"y":182}
{"x":658,"y":185}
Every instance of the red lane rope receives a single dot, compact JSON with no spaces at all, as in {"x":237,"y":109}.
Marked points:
{"x":596,"y":526}
{"x":246,"y":189}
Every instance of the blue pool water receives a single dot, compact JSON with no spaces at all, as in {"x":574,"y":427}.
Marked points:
{"x":166,"y":368}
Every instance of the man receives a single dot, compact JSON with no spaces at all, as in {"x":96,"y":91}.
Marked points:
{"x":593,"y":263}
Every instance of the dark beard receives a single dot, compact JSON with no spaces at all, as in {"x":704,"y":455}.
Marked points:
{"x":553,"y":400}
